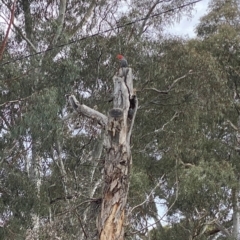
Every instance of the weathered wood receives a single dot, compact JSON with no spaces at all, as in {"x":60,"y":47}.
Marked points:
{"x":118,"y":126}
{"x":87,"y":111}
{"x":118,"y":159}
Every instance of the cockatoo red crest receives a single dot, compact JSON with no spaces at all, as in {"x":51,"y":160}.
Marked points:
{"x":120,"y":57}
{"x":122,"y":60}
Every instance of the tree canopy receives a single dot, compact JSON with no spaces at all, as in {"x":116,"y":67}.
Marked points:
{"x":185,"y":144}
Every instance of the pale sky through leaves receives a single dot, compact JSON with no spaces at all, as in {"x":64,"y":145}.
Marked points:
{"x":187,"y":25}
{"x":183,"y":28}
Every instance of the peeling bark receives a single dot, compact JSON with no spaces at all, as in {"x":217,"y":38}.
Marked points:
{"x":118,"y":160}
{"x":118,"y":126}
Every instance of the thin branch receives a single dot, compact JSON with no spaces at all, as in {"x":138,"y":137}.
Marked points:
{"x":100,"y":33}
{"x":85,"y":17}
{"x":14,"y":101}
{"x":74,"y":208}
{"x":218,"y":228}
{"x":176,"y":197}
{"x":79,"y":219}
{"x":187,"y":165}
{"x":222,"y":228}
{"x":17,"y":77}
{"x":61,"y":198}
{"x":22,"y":99}
{"x":158,"y":91}
{"x":176,"y":114}
{"x":21,"y":33}
{"x":147,"y":17}
{"x":24,"y":37}
{"x":232,"y":125}
{"x":203,"y":230}
{"x":171,"y":86}
{"x":8,"y":30}
{"x":149,"y":195}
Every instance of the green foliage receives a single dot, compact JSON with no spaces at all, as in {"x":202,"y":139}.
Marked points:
{"x":181,"y":138}
{"x":17,"y":196}
{"x":210,"y":184}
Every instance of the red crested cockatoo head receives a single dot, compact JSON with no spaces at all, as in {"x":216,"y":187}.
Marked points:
{"x":122,"y":60}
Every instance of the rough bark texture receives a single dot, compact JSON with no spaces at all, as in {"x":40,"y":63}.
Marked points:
{"x":236,"y":198}
{"x":118,"y":126}
{"x":118,"y":159}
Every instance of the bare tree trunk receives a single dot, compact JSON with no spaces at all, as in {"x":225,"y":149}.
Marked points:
{"x":236,"y":213}
{"x":118,"y":159}
{"x":35,"y":175}
{"x":236,"y":197}
{"x":118,"y":126}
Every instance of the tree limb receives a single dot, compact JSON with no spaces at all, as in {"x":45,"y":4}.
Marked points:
{"x":222,"y":228}
{"x":85,"y":17}
{"x":24,"y":37}
{"x":147,"y":17}
{"x":219,"y":227}
{"x":232,"y":125}
{"x":79,"y":219}
{"x":87,"y":111}
{"x":176,"y":114}
{"x":159,"y":220}
{"x":171,"y":86}
{"x":8,"y":30}
{"x":27,"y":19}
{"x":60,"y":20}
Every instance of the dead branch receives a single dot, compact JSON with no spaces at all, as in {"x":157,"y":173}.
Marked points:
{"x":232,"y":125}
{"x":87,"y":111}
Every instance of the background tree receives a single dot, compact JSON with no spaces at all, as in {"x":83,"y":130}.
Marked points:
{"x":208,"y":187}
{"x":223,"y":20}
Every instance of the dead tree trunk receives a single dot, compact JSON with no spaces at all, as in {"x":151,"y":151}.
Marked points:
{"x":118,"y":125}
